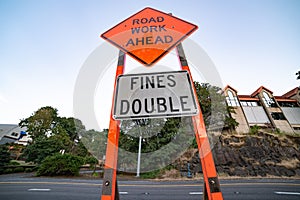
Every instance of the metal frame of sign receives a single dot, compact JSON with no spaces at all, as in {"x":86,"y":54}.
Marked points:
{"x":212,"y":190}
{"x":110,"y":191}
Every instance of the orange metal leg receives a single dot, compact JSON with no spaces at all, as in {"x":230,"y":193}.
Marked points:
{"x":109,"y":188}
{"x":211,"y":181}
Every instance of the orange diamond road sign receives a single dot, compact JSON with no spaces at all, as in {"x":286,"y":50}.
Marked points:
{"x":149,"y":34}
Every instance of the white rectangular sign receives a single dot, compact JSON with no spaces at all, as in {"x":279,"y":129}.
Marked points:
{"x":154,"y":95}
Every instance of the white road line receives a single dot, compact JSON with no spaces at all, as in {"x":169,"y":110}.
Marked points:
{"x":288,"y":193}
{"x":123,"y":192}
{"x":39,"y":190}
{"x":196,"y":193}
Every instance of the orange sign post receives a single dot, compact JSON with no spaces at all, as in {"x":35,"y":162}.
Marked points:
{"x":109,"y":188}
{"x":147,"y":36}
{"x":212,"y":190}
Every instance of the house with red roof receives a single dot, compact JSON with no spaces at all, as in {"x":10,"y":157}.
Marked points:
{"x":263,"y":109}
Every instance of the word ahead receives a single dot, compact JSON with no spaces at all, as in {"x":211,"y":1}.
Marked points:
{"x":154,"y":95}
{"x":149,"y":34}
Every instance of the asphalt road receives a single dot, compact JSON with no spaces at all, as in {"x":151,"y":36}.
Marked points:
{"x":18,"y":187}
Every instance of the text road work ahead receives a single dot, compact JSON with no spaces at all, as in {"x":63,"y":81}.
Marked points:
{"x":143,"y":26}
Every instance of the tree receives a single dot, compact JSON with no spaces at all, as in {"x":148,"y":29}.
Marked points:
{"x":41,"y":123}
{"x":4,"y":157}
{"x":74,"y":127}
{"x":96,"y":142}
{"x":215,"y":112}
{"x":169,"y":134}
{"x":163,"y":140}
{"x":230,"y":122}
{"x":52,"y":134}
{"x":44,"y":147}
{"x":155,"y":133}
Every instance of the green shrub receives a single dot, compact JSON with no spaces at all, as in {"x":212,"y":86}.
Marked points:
{"x":28,"y":170}
{"x":254,"y":130}
{"x":18,"y":169}
{"x":95,"y":174}
{"x":60,"y":165}
{"x":4,"y":158}
{"x":91,"y":160}
{"x":278,"y":132}
{"x":4,"y":155}
{"x":14,"y":163}
{"x":151,"y":175}
{"x":8,"y":171}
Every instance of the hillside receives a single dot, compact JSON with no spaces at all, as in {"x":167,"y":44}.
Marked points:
{"x":262,"y":154}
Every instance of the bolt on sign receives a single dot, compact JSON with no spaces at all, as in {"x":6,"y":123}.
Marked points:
{"x":149,"y":34}
{"x":154,"y":95}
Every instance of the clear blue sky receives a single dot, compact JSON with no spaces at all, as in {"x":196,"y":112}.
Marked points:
{"x":43,"y":45}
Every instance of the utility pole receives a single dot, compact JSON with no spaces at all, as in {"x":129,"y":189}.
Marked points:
{"x":139,"y":157}
{"x":139,"y":123}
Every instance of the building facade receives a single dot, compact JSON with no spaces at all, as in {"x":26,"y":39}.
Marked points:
{"x":13,"y":133}
{"x":263,"y":109}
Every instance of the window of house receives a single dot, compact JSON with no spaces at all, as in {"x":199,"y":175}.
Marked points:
{"x":269,"y":102}
{"x":14,"y":134}
{"x":244,"y":103}
{"x":278,"y":116}
{"x":288,"y":104}
{"x":254,"y":103}
{"x":231,"y":99}
{"x":250,"y":103}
